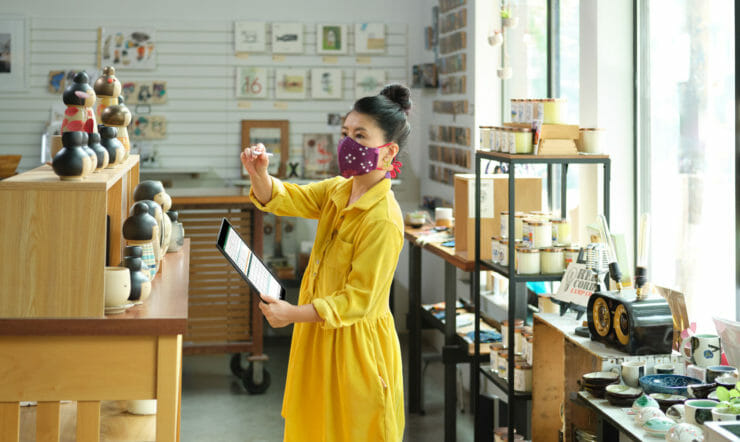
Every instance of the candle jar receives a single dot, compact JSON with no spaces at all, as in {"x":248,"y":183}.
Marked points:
{"x":551,"y":260}
{"x":538,"y":110}
{"x":523,"y":140}
{"x":540,"y":214}
{"x":485,"y":138}
{"x":495,"y":250}
{"x":523,"y":377}
{"x":518,"y":323}
{"x":511,"y":140}
{"x":561,"y":231}
{"x":495,"y":348}
{"x":553,"y":110}
{"x":518,"y":219}
{"x":503,"y":363}
{"x":591,"y":140}
{"x":503,"y":247}
{"x":527,"y":261}
{"x":518,"y":340}
{"x":570,"y":254}
{"x":495,"y":142}
{"x":537,"y":233}
{"x":515,"y":110}
{"x":527,"y":111}
{"x":530,"y":349}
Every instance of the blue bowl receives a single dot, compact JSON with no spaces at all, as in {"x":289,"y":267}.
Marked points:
{"x":667,"y":383}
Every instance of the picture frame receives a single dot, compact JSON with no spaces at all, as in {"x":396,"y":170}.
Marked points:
{"x":275,"y":135}
{"x":290,"y":84}
{"x":370,"y":38}
{"x":251,"y":82}
{"x":331,"y":39}
{"x":249,"y":36}
{"x":287,"y":38}
{"x":319,"y":156}
{"x":14,"y":58}
{"x":127,"y":48}
{"x":326,"y":84}
{"x":368,"y":82}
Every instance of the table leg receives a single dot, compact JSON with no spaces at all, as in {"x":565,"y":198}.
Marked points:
{"x":169,"y":365}
{"x":450,"y":341}
{"x":414,"y":326}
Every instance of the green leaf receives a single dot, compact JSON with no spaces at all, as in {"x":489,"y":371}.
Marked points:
{"x":723,"y":394}
{"x":734,"y":393}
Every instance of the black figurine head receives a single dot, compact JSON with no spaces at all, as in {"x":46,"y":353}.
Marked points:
{"x":85,"y":138}
{"x":73,"y":139}
{"x":133,"y":263}
{"x":173,"y":215}
{"x":155,"y":210}
{"x":107,"y":132}
{"x":140,"y":225}
{"x":147,"y":190}
{"x":93,"y":138}
{"x":78,"y":93}
{"x":107,"y":85}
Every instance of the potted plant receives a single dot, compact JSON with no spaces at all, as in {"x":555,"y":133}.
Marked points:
{"x":729,"y":406}
{"x":508,"y":20}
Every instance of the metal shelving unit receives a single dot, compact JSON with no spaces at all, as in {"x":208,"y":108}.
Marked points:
{"x":509,"y":271}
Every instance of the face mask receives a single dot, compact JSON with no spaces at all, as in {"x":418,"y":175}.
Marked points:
{"x":356,"y":159}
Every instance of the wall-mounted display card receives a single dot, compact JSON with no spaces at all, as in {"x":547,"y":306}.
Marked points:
{"x":370,"y":38}
{"x":331,"y":39}
{"x":251,"y":82}
{"x":326,"y":84}
{"x":287,"y":38}
{"x":290,"y":84}
{"x":127,"y":48}
{"x":319,"y":156}
{"x":249,"y":36}
{"x":148,"y":127}
{"x":368,"y":82}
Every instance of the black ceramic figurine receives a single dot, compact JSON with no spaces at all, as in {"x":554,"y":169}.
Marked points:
{"x":177,"y":235}
{"x":79,"y":98}
{"x":135,"y":252}
{"x":115,"y":149}
{"x":154,"y":190}
{"x":90,"y":153}
{"x":141,"y":287}
{"x":100,"y":153}
{"x":140,"y":229}
{"x":71,"y":162}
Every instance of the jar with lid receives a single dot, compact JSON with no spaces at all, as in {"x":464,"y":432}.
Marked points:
{"x":561,"y":231}
{"x":537,"y":233}
{"x":591,"y":140}
{"x":523,"y":377}
{"x":538,"y":110}
{"x":525,"y":335}
{"x":523,"y":140}
{"x":551,"y":260}
{"x":503,"y":362}
{"x":495,"y":250}
{"x":504,"y":250}
{"x":515,"y":110}
{"x":511,"y":137}
{"x":494,"y":139}
{"x":518,"y":323}
{"x":527,"y":261}
{"x":530,"y":349}
{"x":518,"y":340}
{"x":526,"y":111}
{"x":553,"y":110}
{"x":570,"y":254}
{"x":518,"y":218}
{"x":485,"y":138}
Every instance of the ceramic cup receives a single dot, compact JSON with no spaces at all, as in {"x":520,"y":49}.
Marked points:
{"x":646,"y":414}
{"x":146,"y":406}
{"x":676,"y":412}
{"x":117,"y":286}
{"x":684,"y":432}
{"x":632,"y":371}
{"x":706,"y":350}
{"x":716,"y":371}
{"x":723,"y":414}
{"x":664,"y":369}
{"x":443,"y":217}
{"x":698,"y":411}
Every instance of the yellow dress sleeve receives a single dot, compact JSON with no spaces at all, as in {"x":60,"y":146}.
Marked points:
{"x":373,"y":265}
{"x":293,"y":200}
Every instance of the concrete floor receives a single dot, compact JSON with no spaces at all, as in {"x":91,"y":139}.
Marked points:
{"x":215,"y":406}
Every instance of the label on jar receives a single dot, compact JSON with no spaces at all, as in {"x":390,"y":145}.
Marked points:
{"x":527,"y":234}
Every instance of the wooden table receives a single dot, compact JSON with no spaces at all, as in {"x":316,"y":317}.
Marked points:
{"x":135,"y":355}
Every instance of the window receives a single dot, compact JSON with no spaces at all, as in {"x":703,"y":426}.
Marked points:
{"x":686,"y":129}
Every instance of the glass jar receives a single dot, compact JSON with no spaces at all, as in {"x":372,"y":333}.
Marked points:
{"x":591,"y":140}
{"x":553,"y":110}
{"x":527,"y":111}
{"x":537,"y":233}
{"x":495,"y":348}
{"x":570,"y":254}
{"x":560,"y":231}
{"x":515,"y":110}
{"x":523,"y":140}
{"x":503,"y":363}
{"x":518,"y":323}
{"x":518,"y":219}
{"x":540,"y":214}
{"x":519,"y":340}
{"x":551,"y":260}
{"x":495,"y":250}
{"x":485,"y":138}
{"x":494,"y":139}
{"x":523,"y":377}
{"x":511,"y":139}
{"x":527,"y":261}
{"x":538,"y":110}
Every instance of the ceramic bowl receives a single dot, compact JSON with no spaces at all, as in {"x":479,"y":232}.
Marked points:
{"x":723,"y":414}
{"x":685,"y":433}
{"x":728,"y":381}
{"x":658,"y":426}
{"x":667,"y":383}
{"x":666,"y":400}
{"x":644,"y":401}
{"x":716,"y":371}
{"x":600,"y":378}
{"x":664,"y":369}
{"x":646,"y":414}
{"x":698,"y":411}
{"x":700,"y":391}
{"x":621,"y":395}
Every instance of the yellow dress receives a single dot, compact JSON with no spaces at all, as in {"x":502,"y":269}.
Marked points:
{"x":345,"y":376}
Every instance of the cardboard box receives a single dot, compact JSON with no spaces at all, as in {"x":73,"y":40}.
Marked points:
{"x":494,"y":199}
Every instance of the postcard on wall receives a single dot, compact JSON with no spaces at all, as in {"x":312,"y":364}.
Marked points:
{"x":249,"y":36}
{"x":56,"y":81}
{"x":326,"y":84}
{"x":331,"y":39}
{"x":370,"y":38}
{"x":126,"y":48}
{"x":251,"y":82}
{"x":128,"y":90}
{"x":368,"y":82}
{"x":287,"y":38}
{"x":159,"y":92}
{"x":319,"y":156}
{"x":148,"y":127}
{"x":290,"y":84}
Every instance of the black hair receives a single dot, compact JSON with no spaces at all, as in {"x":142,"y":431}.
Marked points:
{"x":389,"y":109}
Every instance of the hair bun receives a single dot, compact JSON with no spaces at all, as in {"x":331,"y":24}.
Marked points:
{"x":399,"y":94}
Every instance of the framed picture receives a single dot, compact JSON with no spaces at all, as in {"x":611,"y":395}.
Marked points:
{"x":159,"y":92}
{"x":251,"y":82}
{"x":249,"y":36}
{"x":13,"y":53}
{"x":319,"y":156}
{"x":290,"y":84}
{"x":127,"y":48}
{"x":331,"y":39}
{"x":287,"y":38}
{"x":370,"y":38}
{"x":368,"y":82}
{"x":275,"y":136}
{"x":148,"y":127}
{"x":326,"y":84}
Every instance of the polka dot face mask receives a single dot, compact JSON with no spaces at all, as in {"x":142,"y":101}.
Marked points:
{"x":356,"y":159}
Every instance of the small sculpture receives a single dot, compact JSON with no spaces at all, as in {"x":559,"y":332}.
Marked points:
{"x":114,"y":147}
{"x":90,"y":153}
{"x":155,"y":210}
{"x":154,"y":190}
{"x":107,"y":89}
{"x":71,"y":162}
{"x":141,"y":286}
{"x":177,"y":237}
{"x":79,"y":98}
{"x":118,"y":116}
{"x":100,"y":153}
{"x":140,"y":229}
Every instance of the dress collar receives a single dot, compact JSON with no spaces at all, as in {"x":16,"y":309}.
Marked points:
{"x":366,"y":201}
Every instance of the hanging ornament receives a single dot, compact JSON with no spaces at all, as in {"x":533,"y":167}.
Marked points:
{"x":495,"y":38}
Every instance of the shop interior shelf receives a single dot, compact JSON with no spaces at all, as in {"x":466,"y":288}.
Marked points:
{"x":504,"y":271}
{"x":503,"y":383}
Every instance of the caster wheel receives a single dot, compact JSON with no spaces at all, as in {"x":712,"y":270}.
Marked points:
{"x":250,"y":385}
{"x":236,"y":365}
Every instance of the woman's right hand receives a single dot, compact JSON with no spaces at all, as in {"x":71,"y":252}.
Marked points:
{"x":255,"y":160}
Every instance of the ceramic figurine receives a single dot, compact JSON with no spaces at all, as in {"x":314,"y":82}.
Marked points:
{"x":71,"y":162}
{"x":135,"y":252}
{"x":119,"y":117}
{"x":141,"y":286}
{"x":114,"y":147}
{"x":177,"y":238}
{"x":100,"y":153}
{"x":78,"y":96}
{"x":90,"y":153}
{"x":107,"y":89}
{"x":155,"y":210}
{"x":139,"y":229}
{"x":154,"y":190}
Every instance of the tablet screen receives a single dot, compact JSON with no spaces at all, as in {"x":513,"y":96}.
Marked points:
{"x":250,"y":265}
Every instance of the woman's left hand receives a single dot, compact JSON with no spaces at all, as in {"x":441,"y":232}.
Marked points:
{"x":277,"y":312}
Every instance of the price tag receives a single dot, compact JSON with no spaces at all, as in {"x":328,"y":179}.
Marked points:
{"x":280,"y":105}
{"x":363,"y":60}
{"x":333,"y":60}
{"x":278,"y":58}
{"x":244,"y":104}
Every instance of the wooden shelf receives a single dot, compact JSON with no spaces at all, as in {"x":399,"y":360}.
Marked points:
{"x":519,"y":158}
{"x":458,"y":259}
{"x":615,"y":415}
{"x":502,"y":383}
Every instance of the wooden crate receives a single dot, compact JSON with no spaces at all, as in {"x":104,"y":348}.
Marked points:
{"x":54,"y":240}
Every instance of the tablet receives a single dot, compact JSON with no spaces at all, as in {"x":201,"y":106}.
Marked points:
{"x":250,"y":266}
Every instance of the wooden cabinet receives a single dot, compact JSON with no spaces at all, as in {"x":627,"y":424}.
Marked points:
{"x":56,"y":237}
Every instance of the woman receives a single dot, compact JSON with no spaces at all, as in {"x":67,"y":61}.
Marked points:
{"x":344,"y":373}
